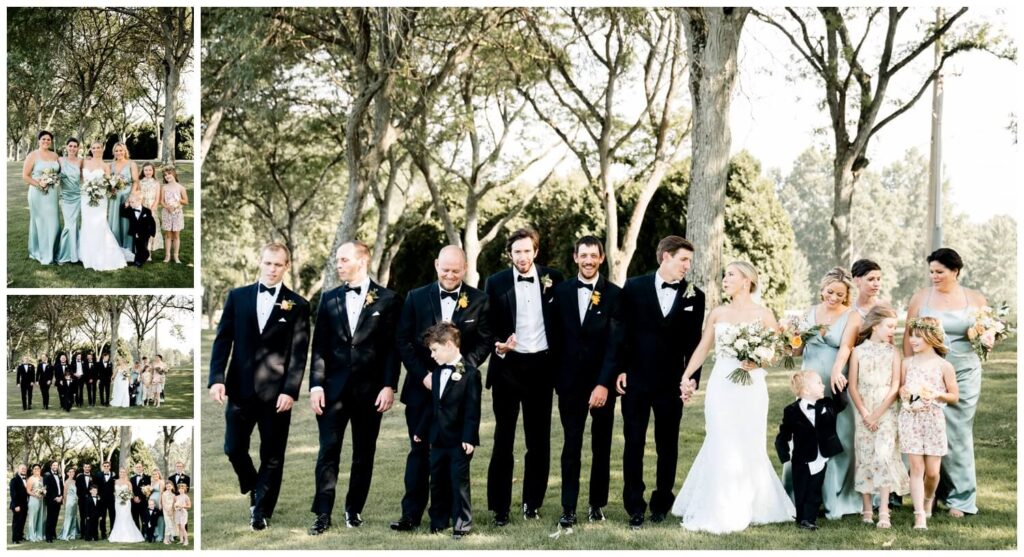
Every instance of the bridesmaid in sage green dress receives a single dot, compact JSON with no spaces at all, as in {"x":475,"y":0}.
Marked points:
{"x":43,"y":211}
{"x":71,"y":529}
{"x":127,"y":169}
{"x":70,"y":202}
{"x":822,"y":355}
{"x":951,"y":303}
{"x":35,"y":524}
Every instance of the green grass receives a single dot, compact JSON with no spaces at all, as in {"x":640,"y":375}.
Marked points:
{"x":99,"y":545}
{"x":178,"y":402}
{"x":23,"y":272}
{"x":225,"y":511}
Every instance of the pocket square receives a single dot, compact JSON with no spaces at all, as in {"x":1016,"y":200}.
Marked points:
{"x":375,"y":314}
{"x":688,"y":308}
{"x":470,"y":320}
{"x":282,"y":320}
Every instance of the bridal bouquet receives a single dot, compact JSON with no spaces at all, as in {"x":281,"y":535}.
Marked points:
{"x":47,"y":179}
{"x":96,"y":190}
{"x":795,"y":333}
{"x":125,"y":374}
{"x":990,"y":326}
{"x":749,"y":342}
{"x":39,"y":490}
{"x":147,"y":490}
{"x":123,"y":493}
{"x":115,"y":183}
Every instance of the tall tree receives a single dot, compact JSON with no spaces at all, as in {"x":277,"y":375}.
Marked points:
{"x":125,"y":447}
{"x":145,"y":311}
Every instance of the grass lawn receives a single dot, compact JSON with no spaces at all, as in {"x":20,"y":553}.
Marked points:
{"x":225,"y":511}
{"x":103,"y":545}
{"x":23,"y":272}
{"x":178,"y":402}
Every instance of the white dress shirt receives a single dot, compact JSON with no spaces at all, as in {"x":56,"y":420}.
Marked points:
{"x":530,"y":334}
{"x":78,"y":368}
{"x":666,"y":296}
{"x":448,"y":304}
{"x":583,"y":295}
{"x":817,"y":464}
{"x":447,"y":373}
{"x":354,"y":303}
{"x":265,"y":303}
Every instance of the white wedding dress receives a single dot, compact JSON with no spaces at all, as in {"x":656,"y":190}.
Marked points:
{"x":731,"y":483}
{"x":124,"y":530}
{"x":119,"y":392}
{"x":98,"y":249}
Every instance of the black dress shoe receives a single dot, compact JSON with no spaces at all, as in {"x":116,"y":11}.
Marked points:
{"x":595,"y":514}
{"x":257,"y":521}
{"x":895,"y":501}
{"x":636,"y":521}
{"x":501,"y":519}
{"x":459,"y":534}
{"x":807,"y":525}
{"x":320,"y":525}
{"x":403,"y":524}
{"x":657,"y":518}
{"x":530,"y":513}
{"x":353,"y":520}
{"x":568,"y":518}
{"x":437,"y":530}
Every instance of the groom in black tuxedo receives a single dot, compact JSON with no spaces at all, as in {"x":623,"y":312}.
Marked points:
{"x":44,"y":377}
{"x":139,"y":500}
{"x":81,"y":370}
{"x":352,"y":377}
{"x":521,"y":374}
{"x":25,"y":376}
{"x":586,"y":334}
{"x":54,"y":498}
{"x":664,"y":315}
{"x":264,"y":332}
{"x":104,"y":372}
{"x":105,"y":479}
{"x":447,"y":299}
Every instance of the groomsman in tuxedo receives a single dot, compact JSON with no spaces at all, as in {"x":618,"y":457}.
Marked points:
{"x":91,"y":378}
{"x":256,"y":367}
{"x":44,"y":377}
{"x":664,"y":315}
{"x":105,"y":479}
{"x":139,"y":500}
{"x":54,"y":499}
{"x":447,"y":299}
{"x":586,"y":333}
{"x":60,"y":371}
{"x":25,"y":375}
{"x":180,"y":477}
{"x":83,"y":481}
{"x":19,"y":504}
{"x":352,"y":377}
{"x":104,"y":374}
{"x":81,"y":369}
{"x":521,"y":374}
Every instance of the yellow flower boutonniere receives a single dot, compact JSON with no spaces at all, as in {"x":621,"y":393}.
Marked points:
{"x":595,"y":298}
{"x":463,"y":302}
{"x":546,"y":282}
{"x":370,"y":297}
{"x":690,"y":291}
{"x":286,"y":305}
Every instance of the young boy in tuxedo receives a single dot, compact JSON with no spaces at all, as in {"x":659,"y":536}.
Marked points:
{"x":150,"y":520}
{"x":91,"y":507}
{"x":454,"y":430}
{"x":141,"y":227}
{"x":810,"y":423}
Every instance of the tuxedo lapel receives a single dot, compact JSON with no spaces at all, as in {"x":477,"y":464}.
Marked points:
{"x":651,"y":295}
{"x":510,"y":294}
{"x":342,"y":310}
{"x":247,"y":310}
{"x":599,"y":287}
{"x":366,"y":311}
{"x":275,"y":312}
{"x":434,"y":299}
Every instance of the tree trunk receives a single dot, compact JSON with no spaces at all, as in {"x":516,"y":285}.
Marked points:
{"x":126,"y":447}
{"x":844,"y":180}
{"x":713,"y":36}
{"x":171,"y":80}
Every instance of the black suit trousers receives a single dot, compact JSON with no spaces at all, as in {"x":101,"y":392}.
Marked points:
{"x":26,"y":396}
{"x":106,"y":510}
{"x":449,"y":488}
{"x":573,"y":412}
{"x":417,"y":464}
{"x":241,"y":418}
{"x":105,"y":393}
{"x":52,"y":513}
{"x":91,"y":391}
{"x":18,"y":523}
{"x":637,"y":407}
{"x":44,"y":391}
{"x":525,"y":384}
{"x":807,"y":491}
{"x":332,"y":424}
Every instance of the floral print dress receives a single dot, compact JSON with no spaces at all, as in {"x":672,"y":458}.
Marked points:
{"x":877,"y":457}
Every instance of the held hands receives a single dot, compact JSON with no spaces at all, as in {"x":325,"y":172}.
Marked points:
{"x":503,"y":348}
{"x":385,"y":399}
{"x":217,"y":393}
{"x":838,"y":382}
{"x":284,"y":403}
{"x":428,"y":382}
{"x":597,"y":397}
{"x":687,"y":388}
{"x":620,"y":384}
{"x":468,"y":448}
{"x":317,"y":401}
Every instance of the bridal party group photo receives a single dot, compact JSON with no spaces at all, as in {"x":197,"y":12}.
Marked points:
{"x":61,"y":364}
{"x":100,"y":150}
{"x":529,"y":278}
{"x":99,"y":487}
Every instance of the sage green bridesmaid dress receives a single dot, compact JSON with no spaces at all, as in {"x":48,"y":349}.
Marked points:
{"x":118,"y":225}
{"x":43,"y":217}
{"x":71,"y":210}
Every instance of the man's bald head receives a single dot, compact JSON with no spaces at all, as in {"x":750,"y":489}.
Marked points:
{"x":450,"y":266}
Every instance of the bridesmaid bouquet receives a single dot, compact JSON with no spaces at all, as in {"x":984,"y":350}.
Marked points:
{"x":48,"y":179}
{"x":115,"y":183}
{"x":123,"y":493}
{"x":795,"y":334}
{"x":39,"y":490}
{"x":96,"y":190}
{"x":750,"y":342}
{"x":147,"y":490}
{"x":990,"y":326}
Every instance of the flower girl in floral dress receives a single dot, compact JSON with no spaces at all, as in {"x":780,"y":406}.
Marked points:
{"x":874,"y":383}
{"x":928,"y":384}
{"x":172,"y":216}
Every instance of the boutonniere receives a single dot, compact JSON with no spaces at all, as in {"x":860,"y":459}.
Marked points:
{"x":545,"y":281}
{"x":371,"y":295}
{"x":689,"y":292}
{"x":595,"y":298}
{"x":463,"y":302}
{"x":286,"y":305}
{"x":457,"y":374}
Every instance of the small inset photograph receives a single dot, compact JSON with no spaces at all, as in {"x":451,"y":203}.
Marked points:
{"x":99,"y":487}
{"x":97,"y":357}
{"x":100,"y":161}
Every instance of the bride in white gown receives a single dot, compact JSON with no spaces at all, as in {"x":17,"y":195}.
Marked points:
{"x":98,"y":248}
{"x":119,"y":392}
{"x":124,"y":530}
{"x":732,"y":484}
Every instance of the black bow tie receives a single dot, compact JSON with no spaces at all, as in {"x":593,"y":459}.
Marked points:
{"x":524,"y":279}
{"x":271,"y":289}
{"x":446,"y":294}
{"x":448,"y":367}
{"x":810,"y":407}
{"x":357,"y":289}
{"x":673,"y":286}
{"x":581,"y":284}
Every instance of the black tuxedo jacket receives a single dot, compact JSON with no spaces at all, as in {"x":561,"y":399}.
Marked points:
{"x":262,"y":365}
{"x":422,"y":309}
{"x":501,"y":290}
{"x":104,"y":371}
{"x":19,"y":493}
{"x":143,"y":226}
{"x":85,"y":369}
{"x":106,"y":487}
{"x":586,"y":353}
{"x":808,"y":439}
{"x":59,"y":370}
{"x":66,"y":388}
{"x":83,"y":491}
{"x":363,"y":361}
{"x":137,"y":484}
{"x":50,"y":483}
{"x":25,"y":373}
{"x":180,"y":478}
{"x":90,"y":509}
{"x":657,"y":348}
{"x":456,"y":418}
{"x":44,"y":373}
{"x":151,"y":519}
{"x":92,"y":372}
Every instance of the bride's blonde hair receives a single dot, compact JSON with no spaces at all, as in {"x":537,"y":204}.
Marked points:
{"x":748,"y":271}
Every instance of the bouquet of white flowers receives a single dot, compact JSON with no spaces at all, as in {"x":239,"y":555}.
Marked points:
{"x":990,"y":326}
{"x":39,"y":490}
{"x":115,"y":183}
{"x":751,"y":342}
{"x":48,"y":178}
{"x":123,"y":493}
{"x":96,"y":190}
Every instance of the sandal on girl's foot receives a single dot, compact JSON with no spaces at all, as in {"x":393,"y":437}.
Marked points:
{"x":956,"y":513}
{"x":929,"y":503}
{"x":883,"y":521}
{"x":867,"y":517}
{"x":168,"y":260}
{"x":925,"y":520}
